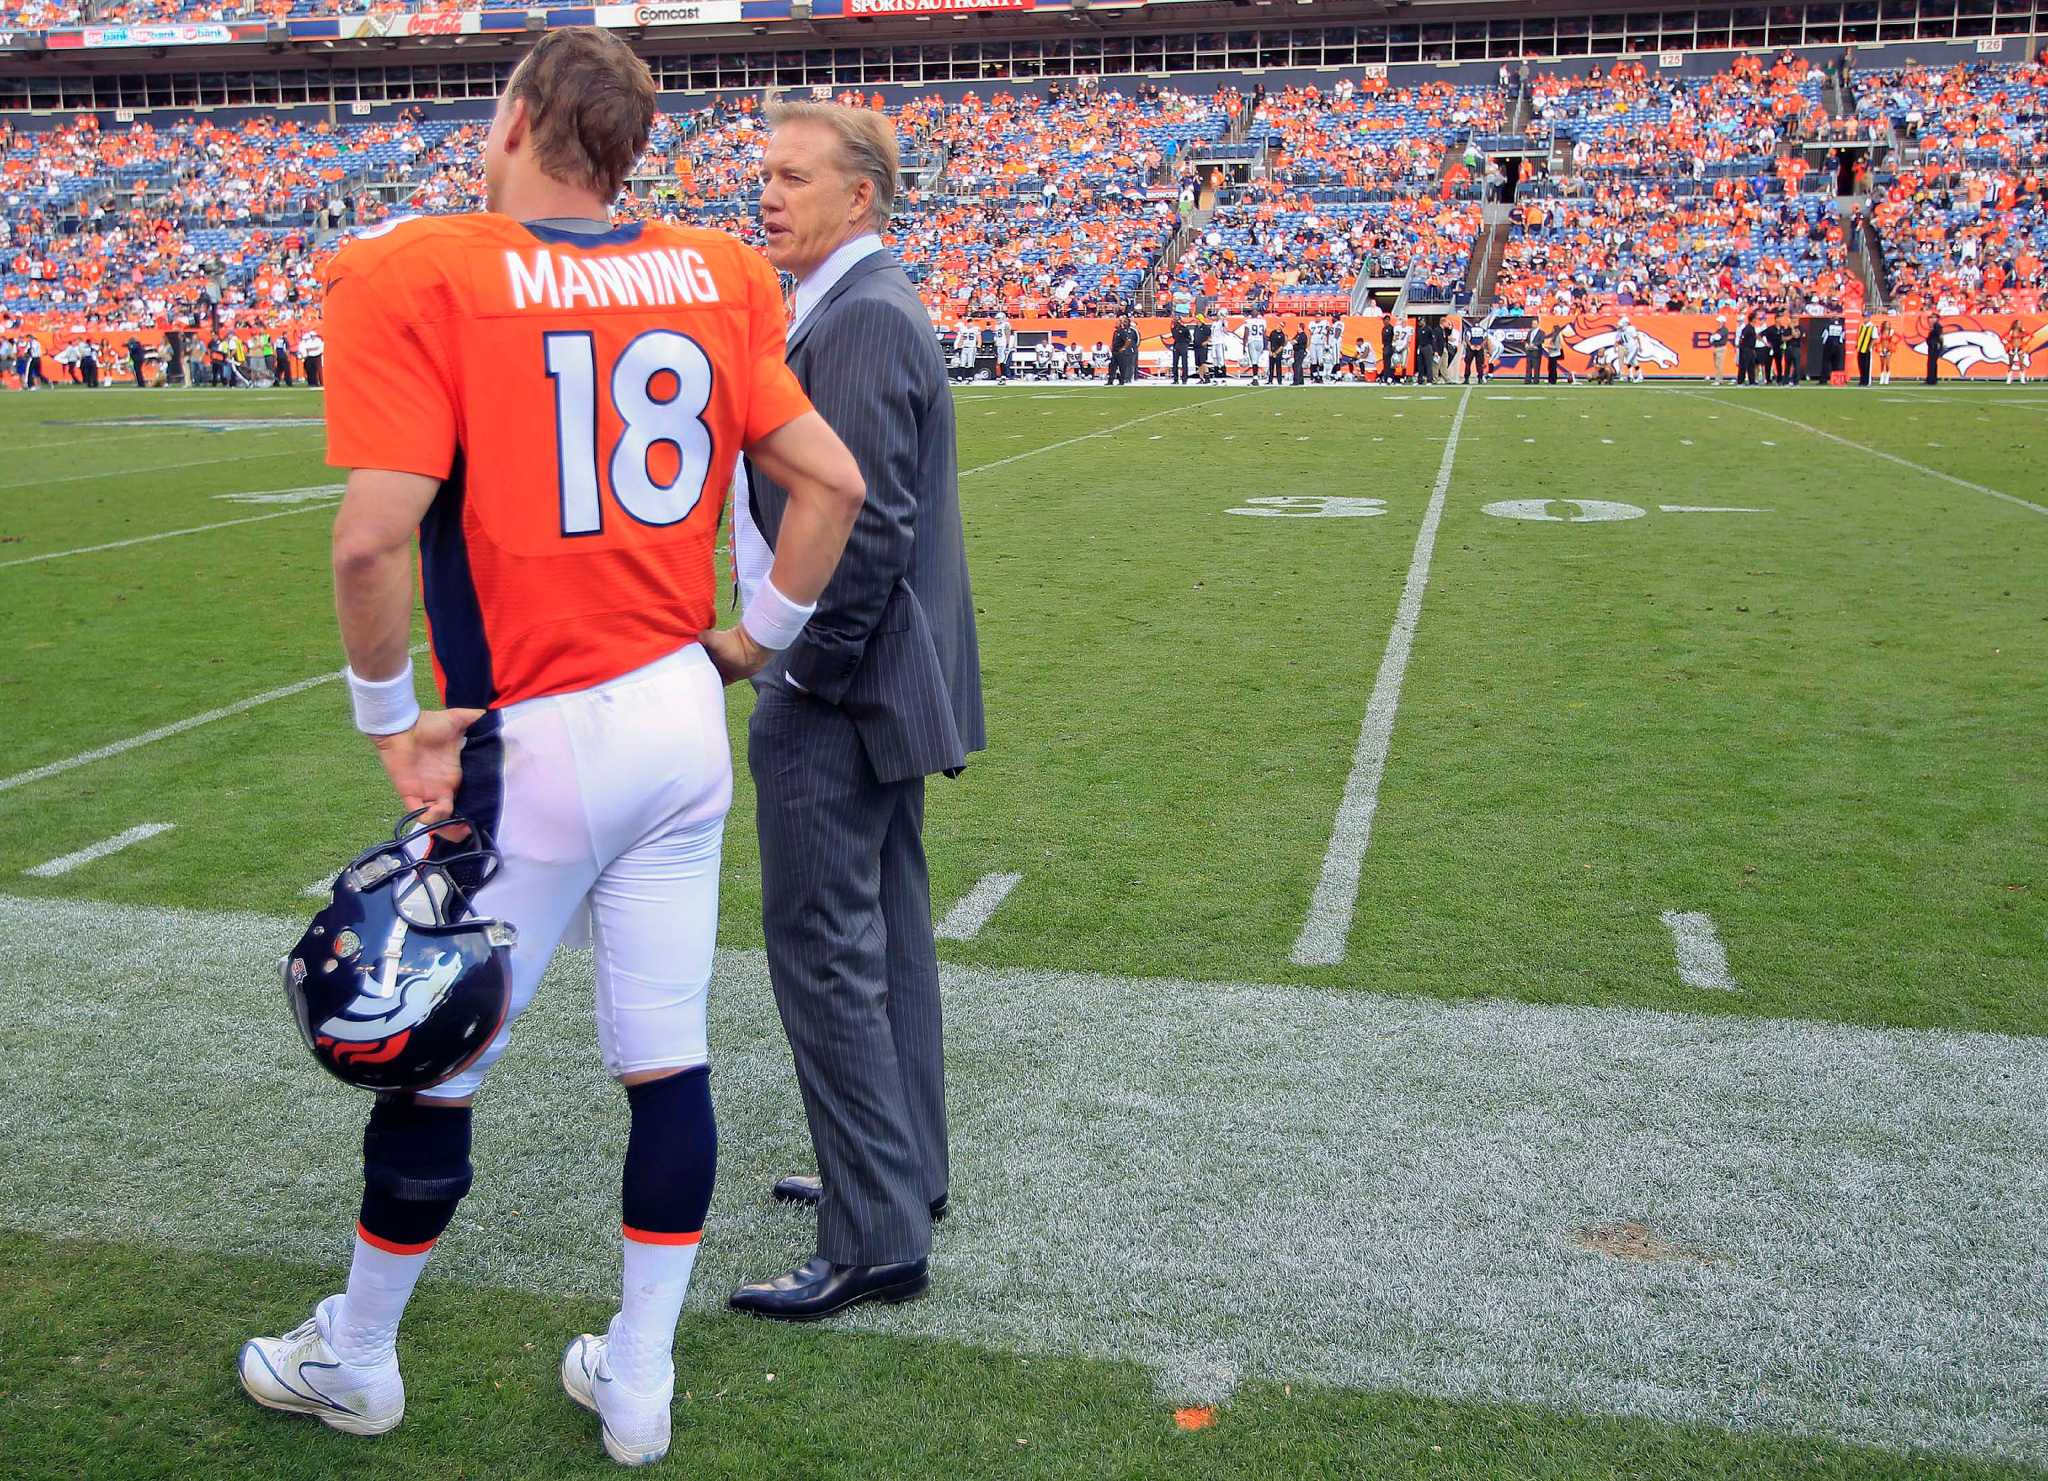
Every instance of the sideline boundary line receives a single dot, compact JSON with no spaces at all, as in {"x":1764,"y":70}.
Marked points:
{"x":1326,"y":934}
{"x":1103,"y":432}
{"x":1495,"y":1136}
{"x":58,"y":555}
{"x":176,"y":727}
{"x":1875,"y":452}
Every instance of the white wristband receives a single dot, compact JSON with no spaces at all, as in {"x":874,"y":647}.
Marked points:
{"x":772,"y":619}
{"x":384,"y":706}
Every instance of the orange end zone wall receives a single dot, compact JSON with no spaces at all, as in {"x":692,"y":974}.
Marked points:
{"x":1676,"y":344}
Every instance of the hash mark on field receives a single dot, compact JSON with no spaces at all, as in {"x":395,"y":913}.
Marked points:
{"x":965,"y":920}
{"x":176,"y":727}
{"x":58,"y":555}
{"x":1701,"y":960}
{"x":1327,"y":932}
{"x":65,"y":863}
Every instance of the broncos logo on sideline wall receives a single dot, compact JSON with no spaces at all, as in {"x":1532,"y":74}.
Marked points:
{"x":1593,"y":338}
{"x":1979,"y":340}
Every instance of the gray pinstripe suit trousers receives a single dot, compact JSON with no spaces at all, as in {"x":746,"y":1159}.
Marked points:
{"x":891,"y":693}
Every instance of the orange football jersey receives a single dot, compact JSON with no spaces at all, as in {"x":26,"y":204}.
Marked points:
{"x":583,"y":398}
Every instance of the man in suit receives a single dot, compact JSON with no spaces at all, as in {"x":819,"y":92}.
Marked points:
{"x":881,"y":690}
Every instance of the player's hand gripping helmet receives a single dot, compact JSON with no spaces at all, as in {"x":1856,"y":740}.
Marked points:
{"x":398,"y":984}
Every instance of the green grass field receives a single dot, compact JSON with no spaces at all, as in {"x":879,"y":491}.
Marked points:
{"x":1356,"y":1207}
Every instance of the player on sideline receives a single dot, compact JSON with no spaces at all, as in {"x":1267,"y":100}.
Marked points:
{"x":554,"y":404}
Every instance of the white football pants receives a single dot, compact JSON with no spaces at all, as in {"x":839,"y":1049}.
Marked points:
{"x":613,"y":799}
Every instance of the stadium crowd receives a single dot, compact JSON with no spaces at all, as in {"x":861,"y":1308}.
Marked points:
{"x":1084,"y":199}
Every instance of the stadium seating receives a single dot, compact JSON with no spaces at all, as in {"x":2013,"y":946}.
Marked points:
{"x":1063,"y":199}
{"x":1966,"y":116}
{"x":1640,"y":244}
{"x":1371,"y":136}
{"x":1972,"y":241}
{"x":1632,"y":122}
{"x":1963,"y":224}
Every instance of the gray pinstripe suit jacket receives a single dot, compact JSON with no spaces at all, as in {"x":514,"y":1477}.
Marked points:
{"x":892,"y":642}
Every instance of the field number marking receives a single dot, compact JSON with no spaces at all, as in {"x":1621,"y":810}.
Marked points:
{"x":1596,"y":511}
{"x":1312,"y":506}
{"x":284,"y":496}
{"x":1578,"y":511}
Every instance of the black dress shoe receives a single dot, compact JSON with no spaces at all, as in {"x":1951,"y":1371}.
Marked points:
{"x":807,"y":1188}
{"x":821,"y":1288}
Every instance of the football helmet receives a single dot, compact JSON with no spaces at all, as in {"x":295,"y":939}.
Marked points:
{"x":398,"y":983}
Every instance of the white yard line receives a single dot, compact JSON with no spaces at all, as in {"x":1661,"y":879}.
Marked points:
{"x":33,"y":483}
{"x":1701,"y":960}
{"x":1876,"y":452}
{"x":165,"y":732}
{"x":965,"y":920}
{"x":1327,"y":932}
{"x":1102,"y":432}
{"x":68,"y":862}
{"x":99,"y":434}
{"x":58,"y":555}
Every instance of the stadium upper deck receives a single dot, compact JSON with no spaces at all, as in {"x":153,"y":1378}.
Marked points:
{"x":1599,"y":184}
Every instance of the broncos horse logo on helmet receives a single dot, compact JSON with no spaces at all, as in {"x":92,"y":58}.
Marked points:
{"x":398,"y":983}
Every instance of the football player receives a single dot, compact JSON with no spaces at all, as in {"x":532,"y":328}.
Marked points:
{"x":1631,"y":339}
{"x":552,"y":404}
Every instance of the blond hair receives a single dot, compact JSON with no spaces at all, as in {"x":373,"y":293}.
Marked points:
{"x":867,"y":147}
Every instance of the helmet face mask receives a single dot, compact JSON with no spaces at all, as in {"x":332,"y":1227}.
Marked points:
{"x":398,"y":984}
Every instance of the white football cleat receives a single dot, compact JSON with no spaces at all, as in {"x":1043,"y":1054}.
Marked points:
{"x":300,"y":1373}
{"x":636,"y":1426}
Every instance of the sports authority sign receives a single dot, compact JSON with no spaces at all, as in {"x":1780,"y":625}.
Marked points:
{"x":931,"y":7}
